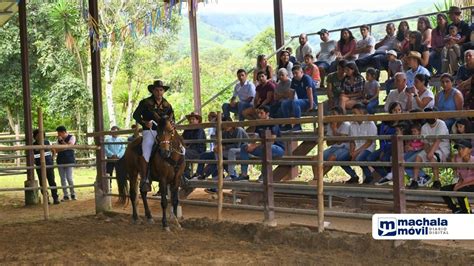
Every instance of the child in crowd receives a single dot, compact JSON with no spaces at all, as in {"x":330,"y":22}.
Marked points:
{"x":451,"y":52}
{"x":413,"y":146}
{"x":371,"y":90}
{"x":466,"y":178}
{"x":394,"y":66}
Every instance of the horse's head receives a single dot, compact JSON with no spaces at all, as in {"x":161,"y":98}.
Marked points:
{"x":166,"y":133}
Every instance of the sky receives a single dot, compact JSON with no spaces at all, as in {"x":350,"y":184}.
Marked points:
{"x":314,"y":7}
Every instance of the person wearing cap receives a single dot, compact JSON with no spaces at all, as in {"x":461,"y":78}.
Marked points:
{"x":465,"y":178}
{"x":148,"y":113}
{"x":48,"y":156}
{"x":326,"y":55}
{"x":361,"y":149}
{"x":413,"y":60}
{"x":454,"y":14}
{"x":242,"y":98}
{"x":114,"y":150}
{"x":377,"y":59}
{"x":395,"y":65}
{"x":434,"y":150}
{"x":193,"y":150}
{"x":283,"y":91}
{"x":64,"y":157}
{"x":303,"y":49}
{"x":400,"y":93}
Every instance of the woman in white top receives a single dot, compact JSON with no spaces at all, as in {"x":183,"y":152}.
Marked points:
{"x":422,"y":96}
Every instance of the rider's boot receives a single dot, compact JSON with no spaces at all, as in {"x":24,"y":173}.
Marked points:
{"x":145,"y":184}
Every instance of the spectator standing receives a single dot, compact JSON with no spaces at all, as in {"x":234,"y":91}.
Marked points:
{"x":303,"y":49}
{"x":64,"y":157}
{"x":114,"y":150}
{"x":48,"y":156}
{"x":193,"y":150}
{"x":244,"y":93}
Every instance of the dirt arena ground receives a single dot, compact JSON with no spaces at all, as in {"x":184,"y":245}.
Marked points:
{"x":75,"y":234}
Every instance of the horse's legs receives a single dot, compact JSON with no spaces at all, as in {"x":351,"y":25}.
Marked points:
{"x":175,"y":200}
{"x":145,"y":205}
{"x":133,"y":198}
{"x":164,"y":204}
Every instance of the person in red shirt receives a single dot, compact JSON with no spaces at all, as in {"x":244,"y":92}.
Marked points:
{"x":466,"y":178}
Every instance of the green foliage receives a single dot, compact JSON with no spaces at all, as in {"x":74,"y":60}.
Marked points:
{"x":263,"y":43}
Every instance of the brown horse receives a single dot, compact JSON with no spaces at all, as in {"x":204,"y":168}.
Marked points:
{"x":167,"y":167}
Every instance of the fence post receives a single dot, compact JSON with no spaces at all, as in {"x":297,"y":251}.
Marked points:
{"x":320,"y":168}
{"x":267,"y":172}
{"x":44,"y":185}
{"x":399,"y":201}
{"x":220,"y":166}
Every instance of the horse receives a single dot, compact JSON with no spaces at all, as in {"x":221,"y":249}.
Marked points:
{"x":167,"y":167}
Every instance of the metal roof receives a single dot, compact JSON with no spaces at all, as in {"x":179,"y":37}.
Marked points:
{"x":8,"y":8}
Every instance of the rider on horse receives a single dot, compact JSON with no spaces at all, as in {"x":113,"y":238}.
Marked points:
{"x":148,"y":113}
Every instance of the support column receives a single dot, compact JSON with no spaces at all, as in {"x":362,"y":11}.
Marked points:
{"x":278,"y":19}
{"x":192,"y":4}
{"x":31,"y":197}
{"x":102,"y":202}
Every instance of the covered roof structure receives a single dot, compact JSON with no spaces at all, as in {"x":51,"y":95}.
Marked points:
{"x":8,"y":8}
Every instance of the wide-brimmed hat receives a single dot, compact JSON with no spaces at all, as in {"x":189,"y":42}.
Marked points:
{"x":157,"y":84}
{"x":416,"y":55}
{"x":455,"y":10}
{"x":196,"y":115}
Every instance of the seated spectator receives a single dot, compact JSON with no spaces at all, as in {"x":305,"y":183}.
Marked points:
{"x":337,"y":150}
{"x":378,"y":60}
{"x":437,"y":41}
{"x":303,"y":49}
{"x":365,"y":46}
{"x":469,"y":45}
{"x":422,"y":96}
{"x":454,"y":14}
{"x":312,"y":70}
{"x":451,"y":52}
{"x":449,"y":98}
{"x":413,"y":60}
{"x":402,"y":40}
{"x":257,"y":150}
{"x":48,"y":156}
{"x":352,"y":87}
{"x":415,"y":44}
{"x":244,"y":92}
{"x":384,"y":153}
{"x":424,"y":27}
{"x":264,"y":95}
{"x":360,"y":150}
{"x":465,"y":179}
{"x":307,"y":99}
{"x":400,"y":94}
{"x":262,"y":65}
{"x":371,"y":90}
{"x":283,"y":91}
{"x":334,"y":84}
{"x":193,"y":150}
{"x":345,"y":48}
{"x":231,"y":151}
{"x":463,"y":126}
{"x":292,"y":58}
{"x":134,"y":134}
{"x":327,"y":54}
{"x":394,"y":66}
{"x":435,"y":150}
{"x":284,"y":62}
{"x":465,"y":73}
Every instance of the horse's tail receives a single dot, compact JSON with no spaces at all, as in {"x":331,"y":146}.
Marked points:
{"x":122,"y":183}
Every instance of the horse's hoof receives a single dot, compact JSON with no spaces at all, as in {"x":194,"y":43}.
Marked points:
{"x":135,"y":221}
{"x":167,"y":229}
{"x":150,"y":221}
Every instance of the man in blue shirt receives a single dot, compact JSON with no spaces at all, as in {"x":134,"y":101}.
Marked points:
{"x":114,"y":150}
{"x":244,"y":93}
{"x":414,"y":62}
{"x":307,"y":99}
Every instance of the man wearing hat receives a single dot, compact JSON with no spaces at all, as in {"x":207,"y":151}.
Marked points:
{"x":463,"y":28}
{"x":466,"y":178}
{"x":414,"y":63}
{"x":193,"y":150}
{"x":149,"y":111}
